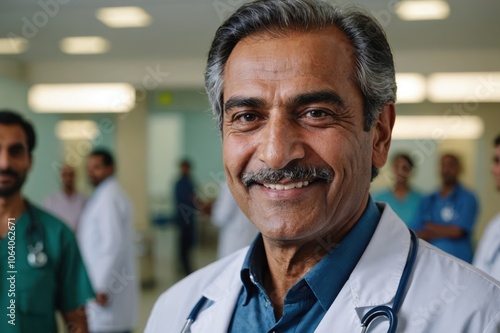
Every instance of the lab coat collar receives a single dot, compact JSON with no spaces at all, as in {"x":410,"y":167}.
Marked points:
{"x":222,"y":294}
{"x":373,"y":282}
{"x":376,"y":277}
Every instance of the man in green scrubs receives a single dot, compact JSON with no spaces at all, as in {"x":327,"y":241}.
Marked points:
{"x":41,"y":270}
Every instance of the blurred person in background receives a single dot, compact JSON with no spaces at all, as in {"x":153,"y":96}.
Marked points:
{"x":67,"y":204}
{"x":235,"y":229}
{"x":487,"y":255}
{"x":106,"y":240}
{"x":403,"y":199}
{"x":446,"y":217}
{"x":186,"y":213}
{"x":41,"y":270}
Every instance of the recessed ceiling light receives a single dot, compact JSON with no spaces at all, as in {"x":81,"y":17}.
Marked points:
{"x":464,"y":87}
{"x":437,"y":127}
{"x":123,"y":17}
{"x":84,"y":45}
{"x":81,"y":98}
{"x":412,"y":10}
{"x":76,"y":130}
{"x":13,"y":45}
{"x":411,"y":87}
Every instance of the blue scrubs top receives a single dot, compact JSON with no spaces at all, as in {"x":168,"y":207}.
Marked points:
{"x":30,"y":296}
{"x":406,"y":208}
{"x":459,"y":208}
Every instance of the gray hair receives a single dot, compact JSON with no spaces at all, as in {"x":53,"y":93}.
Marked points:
{"x":374,"y":74}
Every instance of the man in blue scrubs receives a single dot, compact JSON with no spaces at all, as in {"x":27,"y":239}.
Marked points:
{"x":41,"y":270}
{"x":447,"y":216}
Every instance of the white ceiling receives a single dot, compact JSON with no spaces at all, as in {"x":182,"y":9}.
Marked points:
{"x":181,"y":32}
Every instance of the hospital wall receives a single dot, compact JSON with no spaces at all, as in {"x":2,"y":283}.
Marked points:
{"x":180,"y":126}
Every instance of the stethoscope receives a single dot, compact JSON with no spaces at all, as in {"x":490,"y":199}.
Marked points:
{"x":379,"y":311}
{"x":36,"y":255}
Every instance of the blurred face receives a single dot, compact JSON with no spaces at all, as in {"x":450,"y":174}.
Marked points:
{"x":295,"y":153}
{"x":495,"y":169}
{"x":402,"y":170}
{"x":97,"y":171}
{"x":68,"y":177}
{"x":450,"y":169}
{"x":185,"y":169}
{"x":15,"y":160}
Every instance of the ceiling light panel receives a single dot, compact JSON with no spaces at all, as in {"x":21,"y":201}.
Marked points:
{"x":13,"y":45}
{"x":76,"y":130}
{"x":464,"y":87}
{"x":437,"y":127}
{"x":81,"y":98}
{"x":84,"y":45}
{"x":123,"y":17}
{"x":422,"y":10}
{"x":411,"y":87}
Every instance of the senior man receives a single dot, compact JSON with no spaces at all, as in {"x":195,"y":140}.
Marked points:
{"x":305,"y":94}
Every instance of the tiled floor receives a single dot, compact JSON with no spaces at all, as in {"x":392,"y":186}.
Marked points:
{"x":166,"y":266}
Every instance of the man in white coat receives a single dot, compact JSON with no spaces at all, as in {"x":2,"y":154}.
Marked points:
{"x":304,"y":93}
{"x":106,"y":243}
{"x":487,"y":255}
{"x":235,"y":229}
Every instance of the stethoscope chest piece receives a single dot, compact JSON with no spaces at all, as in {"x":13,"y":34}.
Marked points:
{"x":36,"y":257}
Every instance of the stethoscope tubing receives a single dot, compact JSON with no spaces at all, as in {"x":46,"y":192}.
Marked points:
{"x":391,"y":313}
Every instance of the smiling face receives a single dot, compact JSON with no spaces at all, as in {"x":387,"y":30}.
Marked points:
{"x":15,"y":159}
{"x":292,"y":102}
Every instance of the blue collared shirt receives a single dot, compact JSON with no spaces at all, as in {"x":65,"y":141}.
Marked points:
{"x":308,"y":300}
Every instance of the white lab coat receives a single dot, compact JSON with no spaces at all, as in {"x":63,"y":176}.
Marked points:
{"x":487,"y":257}
{"x":235,"y":229}
{"x":444,"y":295}
{"x":106,"y":243}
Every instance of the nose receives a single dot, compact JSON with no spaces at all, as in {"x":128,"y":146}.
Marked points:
{"x":280,"y":142}
{"x":4,"y":159}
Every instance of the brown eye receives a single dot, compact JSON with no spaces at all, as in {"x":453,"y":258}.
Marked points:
{"x":317,"y":113}
{"x":249,"y":117}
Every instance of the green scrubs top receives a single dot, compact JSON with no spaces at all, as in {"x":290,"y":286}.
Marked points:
{"x":30,"y":296}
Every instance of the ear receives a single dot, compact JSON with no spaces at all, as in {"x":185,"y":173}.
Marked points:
{"x":30,"y":158}
{"x":382,"y":135}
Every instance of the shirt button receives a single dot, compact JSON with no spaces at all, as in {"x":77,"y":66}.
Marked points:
{"x":252,"y":279}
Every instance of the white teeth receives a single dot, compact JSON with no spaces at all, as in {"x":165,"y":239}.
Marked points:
{"x":287,"y":186}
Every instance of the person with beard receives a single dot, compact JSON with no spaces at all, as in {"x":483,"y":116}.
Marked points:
{"x":106,"y":239}
{"x":447,"y":216}
{"x":487,"y":257}
{"x":41,"y":270}
{"x":304,"y":94}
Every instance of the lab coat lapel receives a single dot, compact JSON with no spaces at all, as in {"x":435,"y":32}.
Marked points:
{"x":222,"y":295}
{"x":218,"y":316}
{"x":375,"y":278}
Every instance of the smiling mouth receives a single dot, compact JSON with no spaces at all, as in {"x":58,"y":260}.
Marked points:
{"x":284,"y":187}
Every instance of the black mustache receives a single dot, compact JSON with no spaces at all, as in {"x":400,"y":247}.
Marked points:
{"x":9,"y":172}
{"x":292,"y":172}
